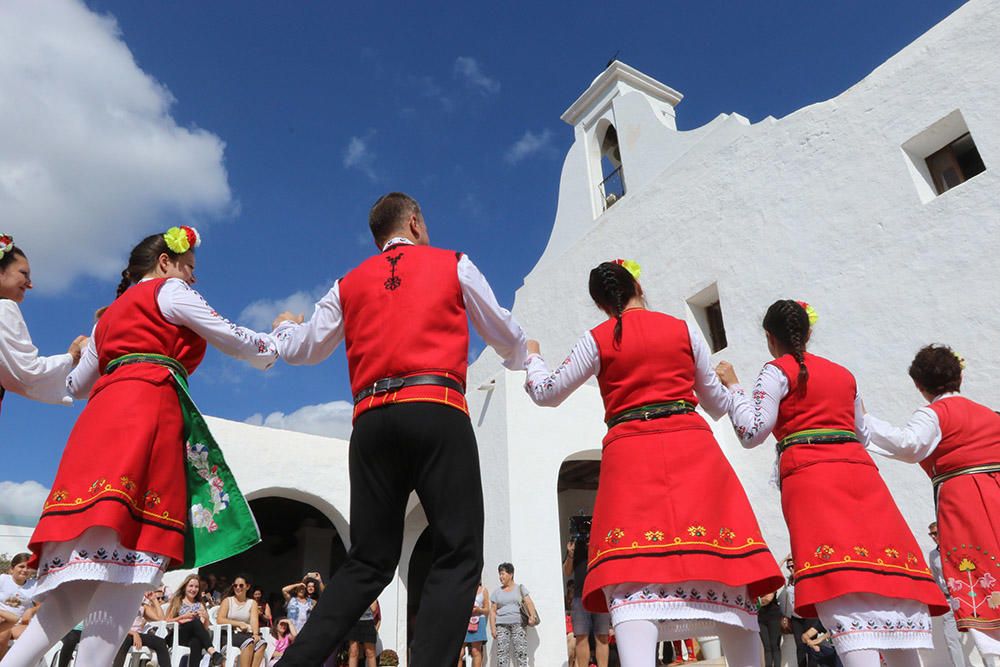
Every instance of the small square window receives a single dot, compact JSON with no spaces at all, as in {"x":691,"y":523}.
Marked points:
{"x":706,"y":308}
{"x":942,"y":156}
{"x":955,"y":163}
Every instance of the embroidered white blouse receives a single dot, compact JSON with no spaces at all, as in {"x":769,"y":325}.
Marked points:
{"x":911,"y":443}
{"x":754,"y":417}
{"x":315,"y":340}
{"x":584,"y":361}
{"x":22,"y":370}
{"x":181,"y":305}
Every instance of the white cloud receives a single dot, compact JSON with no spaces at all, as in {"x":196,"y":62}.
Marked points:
{"x":261,"y":313}
{"x":530,"y":144}
{"x":21,"y":502}
{"x":358,"y":155}
{"x":469,"y":70}
{"x":330,"y":419}
{"x":92,"y":160}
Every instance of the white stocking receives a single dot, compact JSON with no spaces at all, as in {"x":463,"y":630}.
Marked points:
{"x":112,"y":610}
{"x":864,"y":658}
{"x":636,"y":642}
{"x":742,"y":648}
{"x":901,"y":657}
{"x":63,"y":608}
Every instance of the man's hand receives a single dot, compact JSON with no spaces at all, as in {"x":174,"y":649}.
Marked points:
{"x":727,"y":374}
{"x":534,"y":347}
{"x":287,"y":317}
{"x":136,"y":640}
{"x":570,"y":548}
{"x":77,"y":347}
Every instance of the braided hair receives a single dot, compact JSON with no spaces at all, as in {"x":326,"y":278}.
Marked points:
{"x":143,"y":259}
{"x":611,"y":288}
{"x":788,"y":322}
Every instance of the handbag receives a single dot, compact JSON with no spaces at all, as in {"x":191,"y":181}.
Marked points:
{"x":474,"y":624}
{"x":525,"y":614}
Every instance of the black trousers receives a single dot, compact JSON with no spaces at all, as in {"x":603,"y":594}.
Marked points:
{"x":430,"y":449}
{"x":196,"y":637}
{"x":770,"y":636}
{"x":156,"y":644}
{"x":799,"y":626}
{"x":69,"y":643}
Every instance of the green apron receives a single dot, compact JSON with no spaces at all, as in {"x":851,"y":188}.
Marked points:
{"x":219,"y":522}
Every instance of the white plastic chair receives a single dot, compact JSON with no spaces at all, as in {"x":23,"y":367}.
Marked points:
{"x":51,"y":658}
{"x":176,"y":650}
{"x":229,"y":652}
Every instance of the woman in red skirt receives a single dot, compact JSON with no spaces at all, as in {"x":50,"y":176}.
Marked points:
{"x":957,"y":443}
{"x":118,"y":514}
{"x":857,"y":565}
{"x":675,"y":549}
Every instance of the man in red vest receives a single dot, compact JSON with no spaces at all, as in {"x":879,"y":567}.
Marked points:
{"x":403,"y":316}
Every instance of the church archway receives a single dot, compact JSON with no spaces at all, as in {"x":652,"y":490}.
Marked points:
{"x":296,"y":538}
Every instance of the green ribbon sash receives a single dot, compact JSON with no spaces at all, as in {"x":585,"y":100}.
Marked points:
{"x":220,"y":523}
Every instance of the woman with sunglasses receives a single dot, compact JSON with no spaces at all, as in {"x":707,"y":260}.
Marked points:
{"x":241,"y":612}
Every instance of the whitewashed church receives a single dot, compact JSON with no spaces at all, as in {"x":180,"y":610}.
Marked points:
{"x":881,"y":207}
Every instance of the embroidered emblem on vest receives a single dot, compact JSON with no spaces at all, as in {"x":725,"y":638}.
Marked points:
{"x":393,"y":281}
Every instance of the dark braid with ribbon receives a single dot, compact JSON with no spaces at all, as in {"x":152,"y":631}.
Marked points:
{"x":788,"y":322}
{"x":611,"y":288}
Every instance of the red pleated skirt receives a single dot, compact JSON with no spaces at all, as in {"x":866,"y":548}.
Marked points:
{"x":123,"y":467}
{"x":847,"y":534}
{"x":969,"y":536}
{"x":670,"y":508}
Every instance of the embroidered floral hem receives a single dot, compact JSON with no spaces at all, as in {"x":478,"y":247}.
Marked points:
{"x":96,"y":556}
{"x":868,"y":621}
{"x":684,"y":608}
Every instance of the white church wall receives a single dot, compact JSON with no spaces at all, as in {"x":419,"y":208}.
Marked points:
{"x":14,"y":539}
{"x":821,"y":205}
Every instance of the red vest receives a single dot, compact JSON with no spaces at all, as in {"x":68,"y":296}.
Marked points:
{"x":827,"y":402}
{"x":404,"y":314}
{"x":133,"y":323}
{"x":970,"y":436}
{"x":652,"y":364}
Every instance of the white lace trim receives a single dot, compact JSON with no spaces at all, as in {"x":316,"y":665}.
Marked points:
{"x":693,"y":607}
{"x":96,"y":555}
{"x":868,"y":621}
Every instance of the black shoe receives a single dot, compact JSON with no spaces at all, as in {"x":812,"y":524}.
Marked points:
{"x":216,"y":658}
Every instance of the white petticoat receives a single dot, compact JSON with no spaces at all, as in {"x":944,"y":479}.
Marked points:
{"x":987,"y":641}
{"x":96,"y":555}
{"x":868,"y":621}
{"x":684,"y":608}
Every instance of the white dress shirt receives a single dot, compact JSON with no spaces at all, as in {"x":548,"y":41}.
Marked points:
{"x":22,"y":370}
{"x":584,"y":360}
{"x":911,"y":443}
{"x":315,"y":340}
{"x":755,"y":417}
{"x":182,"y":306}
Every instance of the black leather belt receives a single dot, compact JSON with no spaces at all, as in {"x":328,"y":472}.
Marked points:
{"x":654,"y":411}
{"x":385,"y":385}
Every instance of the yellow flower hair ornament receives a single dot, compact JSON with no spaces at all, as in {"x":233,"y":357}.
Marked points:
{"x":810,"y":313}
{"x":6,"y":244}
{"x":181,"y":239}
{"x":631,"y":266}
{"x":961,"y":359}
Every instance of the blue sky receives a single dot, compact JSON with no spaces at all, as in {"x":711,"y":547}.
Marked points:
{"x":276,"y":125}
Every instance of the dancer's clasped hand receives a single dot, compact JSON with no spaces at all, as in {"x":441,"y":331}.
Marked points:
{"x":727,"y":374}
{"x":77,"y":347}
{"x":534,"y":347}
{"x":287,"y":317}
